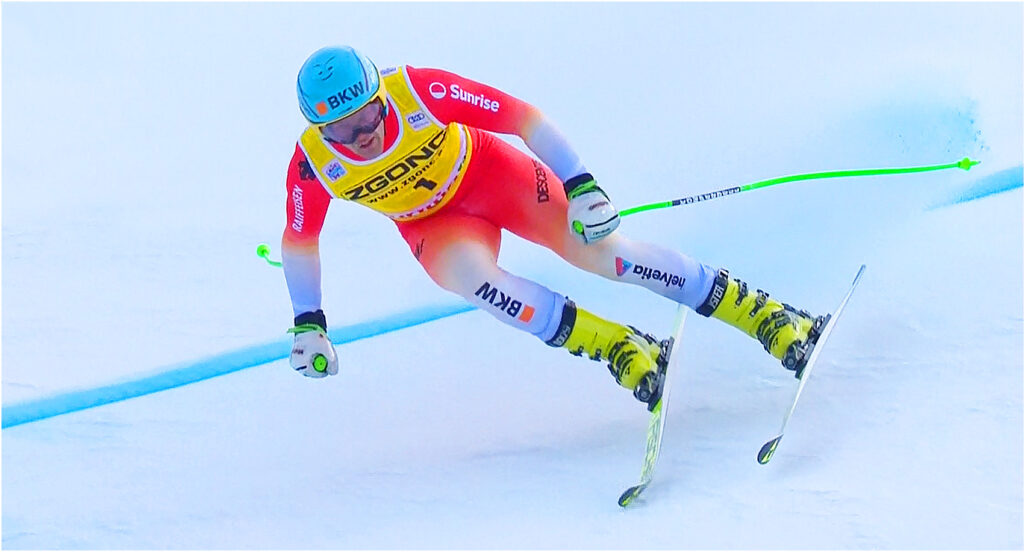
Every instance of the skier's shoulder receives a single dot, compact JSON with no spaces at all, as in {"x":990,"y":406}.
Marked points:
{"x":299,"y":168}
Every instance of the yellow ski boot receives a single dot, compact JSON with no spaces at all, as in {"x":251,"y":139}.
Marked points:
{"x":633,"y":357}
{"x":786,"y":333}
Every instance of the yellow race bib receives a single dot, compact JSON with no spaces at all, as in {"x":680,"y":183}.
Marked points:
{"x":414,"y":177}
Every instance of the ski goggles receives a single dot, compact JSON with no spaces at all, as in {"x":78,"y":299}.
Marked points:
{"x":364,"y":121}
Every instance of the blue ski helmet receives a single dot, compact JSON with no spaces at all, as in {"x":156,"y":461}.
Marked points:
{"x":336,"y":81}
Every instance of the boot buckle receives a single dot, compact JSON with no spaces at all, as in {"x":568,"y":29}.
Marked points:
{"x":759,"y":303}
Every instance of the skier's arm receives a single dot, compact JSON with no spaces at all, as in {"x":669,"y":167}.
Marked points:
{"x":312,"y":355}
{"x":300,"y":245}
{"x":450,"y":97}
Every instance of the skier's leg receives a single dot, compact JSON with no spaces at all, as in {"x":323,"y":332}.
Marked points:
{"x":460,"y":253}
{"x":528,"y":200}
{"x":780,"y":328}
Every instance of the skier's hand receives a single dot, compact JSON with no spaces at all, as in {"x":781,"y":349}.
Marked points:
{"x":591,"y":214}
{"x":313,"y":355}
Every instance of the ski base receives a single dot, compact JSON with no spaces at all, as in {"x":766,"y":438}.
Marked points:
{"x":656,"y":426}
{"x":768,"y":449}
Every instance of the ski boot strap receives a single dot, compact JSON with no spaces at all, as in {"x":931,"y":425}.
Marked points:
{"x":718,"y":288}
{"x":565,"y":326}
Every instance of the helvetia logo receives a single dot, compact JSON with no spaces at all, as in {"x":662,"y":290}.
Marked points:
{"x":622,"y":265}
{"x":438,"y":90}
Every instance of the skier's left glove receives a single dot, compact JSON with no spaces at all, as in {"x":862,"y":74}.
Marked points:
{"x":313,"y":355}
{"x":591,"y":214}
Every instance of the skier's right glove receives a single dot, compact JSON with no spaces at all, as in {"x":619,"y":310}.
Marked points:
{"x":313,"y":355}
{"x":591,"y":214}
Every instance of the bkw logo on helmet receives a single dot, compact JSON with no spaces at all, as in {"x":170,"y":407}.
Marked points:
{"x":341,"y":98}
{"x":335,"y":82}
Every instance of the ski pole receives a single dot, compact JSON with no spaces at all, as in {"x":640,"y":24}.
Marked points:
{"x":263,"y":250}
{"x":965,"y":164}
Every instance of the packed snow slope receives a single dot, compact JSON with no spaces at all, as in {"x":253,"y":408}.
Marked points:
{"x":144,"y":151}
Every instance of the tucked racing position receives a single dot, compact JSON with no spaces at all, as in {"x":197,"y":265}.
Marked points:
{"x":418,"y":146}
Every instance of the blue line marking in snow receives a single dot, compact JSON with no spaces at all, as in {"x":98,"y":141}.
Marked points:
{"x":218,"y":365}
{"x":995,"y":183}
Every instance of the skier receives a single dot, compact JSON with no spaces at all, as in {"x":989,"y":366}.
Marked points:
{"x":416,"y":145}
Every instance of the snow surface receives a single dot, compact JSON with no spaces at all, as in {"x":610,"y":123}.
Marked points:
{"x":144,"y":152}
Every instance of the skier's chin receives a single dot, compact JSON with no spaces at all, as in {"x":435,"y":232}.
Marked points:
{"x":369,"y":146}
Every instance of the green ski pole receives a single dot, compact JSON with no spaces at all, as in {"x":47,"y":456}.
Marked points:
{"x":263,"y":250}
{"x":965,"y":164}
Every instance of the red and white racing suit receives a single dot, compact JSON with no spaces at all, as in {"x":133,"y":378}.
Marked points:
{"x":450,"y":186}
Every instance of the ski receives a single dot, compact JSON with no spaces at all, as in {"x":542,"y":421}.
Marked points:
{"x":657,"y":408}
{"x":828,"y":323}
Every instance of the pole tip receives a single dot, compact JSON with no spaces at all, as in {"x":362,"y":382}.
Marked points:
{"x":966,"y":163}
